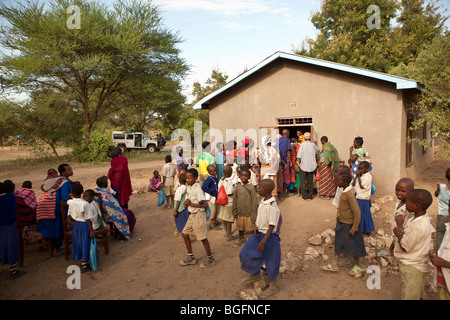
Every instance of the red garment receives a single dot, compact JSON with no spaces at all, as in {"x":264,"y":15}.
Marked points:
{"x":119,"y":175}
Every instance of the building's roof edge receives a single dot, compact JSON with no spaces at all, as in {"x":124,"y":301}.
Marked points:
{"x":401,"y":83}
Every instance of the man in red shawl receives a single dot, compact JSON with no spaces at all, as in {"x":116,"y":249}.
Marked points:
{"x":119,"y":175}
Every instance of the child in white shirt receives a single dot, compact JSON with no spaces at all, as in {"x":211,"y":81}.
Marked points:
{"x":263,"y":248}
{"x":96,"y":215}
{"x":226,"y":211}
{"x":82,"y":230}
{"x":363,"y":189}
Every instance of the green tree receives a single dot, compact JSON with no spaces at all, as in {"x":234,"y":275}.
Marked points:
{"x":432,"y":68}
{"x":348,"y":35}
{"x":188,"y":116}
{"x":50,"y":118}
{"x":97,"y":64}
{"x":8,"y":123}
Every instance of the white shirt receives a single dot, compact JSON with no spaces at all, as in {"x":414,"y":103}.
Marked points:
{"x":169,"y":171}
{"x":401,"y":211}
{"x":94,"y":214}
{"x":268,"y":215}
{"x":79,"y":209}
{"x":416,"y":241}
{"x":444,"y":253}
{"x":307,"y":155}
{"x":337,"y":196}
{"x":179,"y":192}
{"x":366,"y":181}
{"x":195,"y":194}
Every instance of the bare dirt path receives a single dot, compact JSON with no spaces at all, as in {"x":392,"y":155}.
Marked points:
{"x":146,"y":267}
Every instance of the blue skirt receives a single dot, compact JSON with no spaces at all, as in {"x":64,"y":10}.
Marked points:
{"x":346,"y":244}
{"x":9,"y":244}
{"x":181,"y":219}
{"x":80,"y":241}
{"x":366,"y":224}
{"x":252,"y":260}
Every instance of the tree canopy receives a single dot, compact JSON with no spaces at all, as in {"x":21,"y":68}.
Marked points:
{"x":119,"y":56}
{"x":349,"y":34}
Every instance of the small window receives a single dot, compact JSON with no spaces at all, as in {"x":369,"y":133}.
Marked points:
{"x":295,"y":121}
{"x":119,"y":136}
{"x":129,"y":137}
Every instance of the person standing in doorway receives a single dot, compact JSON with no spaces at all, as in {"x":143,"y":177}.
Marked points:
{"x":308,"y":155}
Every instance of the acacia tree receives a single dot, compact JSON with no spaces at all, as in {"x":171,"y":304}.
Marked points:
{"x":96,"y":64}
{"x":50,"y":118}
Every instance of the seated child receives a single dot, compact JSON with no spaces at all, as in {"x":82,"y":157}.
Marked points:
{"x":82,"y":231}
{"x":9,"y":244}
{"x":414,"y":244}
{"x":28,"y":195}
{"x":263,"y":248}
{"x":96,"y":215}
{"x":245,"y":206}
{"x":348,"y":239}
{"x":155,"y":182}
{"x":402,"y":188}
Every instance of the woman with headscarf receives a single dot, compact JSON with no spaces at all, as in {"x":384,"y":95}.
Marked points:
{"x":270,"y":159}
{"x":48,"y":212}
{"x":329,"y":160}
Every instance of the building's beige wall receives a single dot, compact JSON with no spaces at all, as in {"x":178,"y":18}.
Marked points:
{"x":343,"y":106}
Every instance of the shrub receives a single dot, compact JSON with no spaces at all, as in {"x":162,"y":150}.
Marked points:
{"x":96,"y":149}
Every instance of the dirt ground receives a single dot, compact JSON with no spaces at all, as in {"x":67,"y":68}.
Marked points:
{"x":146,"y":267}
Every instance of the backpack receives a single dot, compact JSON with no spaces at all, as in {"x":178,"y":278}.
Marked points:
{"x":222,"y":197}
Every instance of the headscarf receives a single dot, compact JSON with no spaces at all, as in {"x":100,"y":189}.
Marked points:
{"x":330,"y":155}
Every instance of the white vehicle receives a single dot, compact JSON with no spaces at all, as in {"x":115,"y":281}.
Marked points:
{"x":130,"y":140}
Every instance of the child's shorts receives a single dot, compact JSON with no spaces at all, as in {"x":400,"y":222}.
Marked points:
{"x":226,"y":213}
{"x":245,"y":223}
{"x":196,"y":225}
{"x":169,"y":190}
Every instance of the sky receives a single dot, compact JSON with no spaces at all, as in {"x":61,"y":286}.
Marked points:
{"x":233,"y":35}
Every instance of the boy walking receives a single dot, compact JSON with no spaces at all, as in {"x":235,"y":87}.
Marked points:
{"x":196,"y":223}
{"x":414,"y":244}
{"x":245,"y":206}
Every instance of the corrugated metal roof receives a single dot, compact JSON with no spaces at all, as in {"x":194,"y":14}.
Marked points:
{"x":401,"y":83}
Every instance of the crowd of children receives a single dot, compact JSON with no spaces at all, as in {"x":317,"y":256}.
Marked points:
{"x":232,"y":199}
{"x":204,"y":200}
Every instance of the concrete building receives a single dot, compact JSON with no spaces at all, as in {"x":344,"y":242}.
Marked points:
{"x":325,"y":99}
